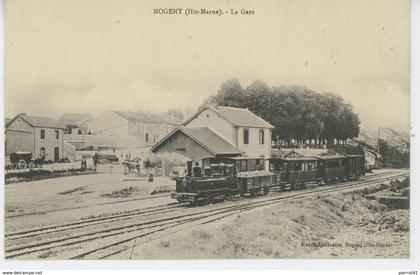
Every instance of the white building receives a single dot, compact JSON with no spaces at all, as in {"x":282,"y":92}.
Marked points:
{"x":241,"y":127}
{"x":216,"y":132}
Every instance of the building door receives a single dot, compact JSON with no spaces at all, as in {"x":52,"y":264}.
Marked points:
{"x":56,"y":154}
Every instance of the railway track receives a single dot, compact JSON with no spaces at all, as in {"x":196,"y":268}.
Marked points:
{"x":91,"y":221}
{"x":86,"y":206}
{"x":209,"y":217}
{"x":110,"y":218}
{"x":124,"y":228}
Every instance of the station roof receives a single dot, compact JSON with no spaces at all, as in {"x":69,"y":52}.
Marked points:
{"x":211,"y":140}
{"x":243,"y":117}
{"x":205,"y":137}
{"x":236,"y":116}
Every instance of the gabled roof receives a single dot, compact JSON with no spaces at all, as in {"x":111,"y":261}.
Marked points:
{"x":38,"y":121}
{"x":147,"y":117}
{"x":243,"y":117}
{"x":74,"y":118}
{"x":204,"y":136}
{"x":236,"y":116}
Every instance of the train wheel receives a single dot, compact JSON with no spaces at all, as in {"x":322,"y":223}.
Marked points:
{"x":105,"y":161}
{"x":266,"y":190}
{"x":218,"y":199}
{"x":204,"y":201}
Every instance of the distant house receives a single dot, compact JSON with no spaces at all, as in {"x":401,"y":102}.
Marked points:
{"x":218,"y":132}
{"x":146,"y":128}
{"x":73,"y":122}
{"x":39,"y":135}
{"x":75,"y":131}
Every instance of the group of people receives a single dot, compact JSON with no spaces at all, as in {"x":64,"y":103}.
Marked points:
{"x":83,"y":164}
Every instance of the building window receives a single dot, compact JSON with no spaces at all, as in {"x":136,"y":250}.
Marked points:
{"x":57,"y":134}
{"x":246,"y":136}
{"x":147,"y":137}
{"x":42,"y":134}
{"x":42,"y":151}
{"x":261,"y":136}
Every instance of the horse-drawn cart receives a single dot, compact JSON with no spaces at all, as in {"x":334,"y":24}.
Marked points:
{"x":22,"y":160}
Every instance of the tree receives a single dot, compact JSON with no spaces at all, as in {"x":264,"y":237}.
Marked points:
{"x":230,"y":93}
{"x":296,"y":112}
{"x":392,"y":157}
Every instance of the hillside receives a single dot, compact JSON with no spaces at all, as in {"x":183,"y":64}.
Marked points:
{"x":391,"y":136}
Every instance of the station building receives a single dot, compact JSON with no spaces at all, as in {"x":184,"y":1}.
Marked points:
{"x":213,"y":133}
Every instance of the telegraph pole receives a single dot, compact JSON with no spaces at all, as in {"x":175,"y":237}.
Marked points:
{"x":379,"y":137}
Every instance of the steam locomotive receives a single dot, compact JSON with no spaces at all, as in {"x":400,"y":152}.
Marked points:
{"x":242,"y":176}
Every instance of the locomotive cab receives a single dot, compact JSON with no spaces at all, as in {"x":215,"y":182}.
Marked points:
{"x":218,"y":180}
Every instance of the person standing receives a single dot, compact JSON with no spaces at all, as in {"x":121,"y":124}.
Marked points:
{"x":95,"y":161}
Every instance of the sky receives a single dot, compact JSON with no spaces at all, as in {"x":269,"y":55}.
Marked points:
{"x":93,"y":55}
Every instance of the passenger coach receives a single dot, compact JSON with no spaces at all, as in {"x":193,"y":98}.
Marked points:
{"x":293,"y":171}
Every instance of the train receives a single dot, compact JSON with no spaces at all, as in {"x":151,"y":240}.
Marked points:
{"x":244,"y":176}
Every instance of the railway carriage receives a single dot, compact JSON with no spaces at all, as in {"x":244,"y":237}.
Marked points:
{"x":293,"y":171}
{"x":253,"y":179}
{"x":254,"y":182}
{"x":332,"y":168}
{"x":355,"y":166}
{"x":245,"y":164}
